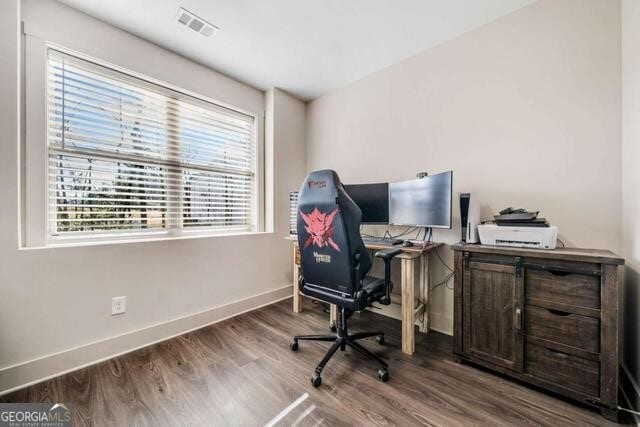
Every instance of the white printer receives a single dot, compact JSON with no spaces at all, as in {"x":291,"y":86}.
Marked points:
{"x":518,"y":236}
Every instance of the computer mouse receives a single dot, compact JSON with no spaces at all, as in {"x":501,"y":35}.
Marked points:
{"x":407,"y":243}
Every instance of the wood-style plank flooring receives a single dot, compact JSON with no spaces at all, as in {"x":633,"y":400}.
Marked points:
{"x":242,"y":372}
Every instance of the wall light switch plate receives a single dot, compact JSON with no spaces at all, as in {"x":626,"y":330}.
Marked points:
{"x":118,"y":305}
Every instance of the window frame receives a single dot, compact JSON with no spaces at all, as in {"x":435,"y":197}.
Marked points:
{"x":35,"y":159}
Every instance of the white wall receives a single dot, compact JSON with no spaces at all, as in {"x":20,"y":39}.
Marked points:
{"x":55,"y":303}
{"x":526,"y":111}
{"x":631,"y":190}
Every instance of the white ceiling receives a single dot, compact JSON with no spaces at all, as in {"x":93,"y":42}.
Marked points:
{"x":306,"y":47}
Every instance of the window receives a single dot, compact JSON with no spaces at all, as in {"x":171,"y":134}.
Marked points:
{"x":126,"y":156}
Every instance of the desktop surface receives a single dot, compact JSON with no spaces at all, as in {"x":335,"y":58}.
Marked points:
{"x":410,"y":250}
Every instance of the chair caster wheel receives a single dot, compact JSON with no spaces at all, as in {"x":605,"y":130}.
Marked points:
{"x":333,"y":327}
{"x":316,"y":380}
{"x":380,"y":339}
{"x":383,"y":375}
{"x":294,"y":345}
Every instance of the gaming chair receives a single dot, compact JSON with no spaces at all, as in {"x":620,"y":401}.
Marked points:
{"x":335,"y":263}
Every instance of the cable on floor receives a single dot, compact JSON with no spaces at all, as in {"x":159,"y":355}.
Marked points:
{"x":620,"y":408}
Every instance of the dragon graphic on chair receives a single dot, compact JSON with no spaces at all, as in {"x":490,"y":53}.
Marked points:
{"x":319,"y":225}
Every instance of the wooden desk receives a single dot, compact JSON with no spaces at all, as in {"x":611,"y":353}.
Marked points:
{"x":407,"y":307}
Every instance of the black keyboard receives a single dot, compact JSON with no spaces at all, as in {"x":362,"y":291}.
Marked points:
{"x":391,"y":241}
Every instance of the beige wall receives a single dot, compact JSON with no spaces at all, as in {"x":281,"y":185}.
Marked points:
{"x":631,"y":190}
{"x":55,"y":302}
{"x":526,"y":111}
{"x":288,"y":119}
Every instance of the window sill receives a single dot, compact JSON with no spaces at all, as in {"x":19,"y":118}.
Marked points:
{"x":144,"y":238}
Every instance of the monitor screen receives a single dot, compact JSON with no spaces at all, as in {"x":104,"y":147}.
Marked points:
{"x":422,"y":202}
{"x":373,"y":201}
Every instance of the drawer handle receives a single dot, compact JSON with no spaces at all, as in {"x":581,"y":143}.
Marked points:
{"x":518,"y":320}
{"x":558,"y":312}
{"x":557,"y":353}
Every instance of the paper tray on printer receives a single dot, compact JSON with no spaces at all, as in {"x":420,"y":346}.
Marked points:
{"x":518,"y":216}
{"x":538,"y":222}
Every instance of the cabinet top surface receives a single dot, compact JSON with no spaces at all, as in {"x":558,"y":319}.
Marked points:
{"x":568,"y":254}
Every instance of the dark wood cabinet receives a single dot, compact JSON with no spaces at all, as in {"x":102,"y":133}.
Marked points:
{"x":547,"y":317}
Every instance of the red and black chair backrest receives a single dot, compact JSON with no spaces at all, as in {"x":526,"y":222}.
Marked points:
{"x":332,"y":254}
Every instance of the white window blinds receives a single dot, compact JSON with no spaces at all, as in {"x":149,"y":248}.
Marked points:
{"x":129,"y":156}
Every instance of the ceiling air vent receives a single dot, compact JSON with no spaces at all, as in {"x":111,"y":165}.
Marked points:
{"x":195,"y":23}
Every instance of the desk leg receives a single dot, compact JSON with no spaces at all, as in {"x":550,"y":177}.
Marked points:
{"x":408,"y":298}
{"x":297,"y":297}
{"x":424,"y":291}
{"x":333,"y":315}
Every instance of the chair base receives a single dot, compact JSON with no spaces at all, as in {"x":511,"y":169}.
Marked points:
{"x":341,"y":340}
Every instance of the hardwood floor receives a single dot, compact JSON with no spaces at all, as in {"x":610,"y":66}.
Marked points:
{"x":242,"y":372}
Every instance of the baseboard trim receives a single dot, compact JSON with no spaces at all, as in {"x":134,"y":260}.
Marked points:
{"x":24,"y":374}
{"x":630,"y":391}
{"x":441,"y":323}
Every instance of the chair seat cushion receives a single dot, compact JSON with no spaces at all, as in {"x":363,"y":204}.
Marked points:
{"x":372,"y":290}
{"x":373,"y":284}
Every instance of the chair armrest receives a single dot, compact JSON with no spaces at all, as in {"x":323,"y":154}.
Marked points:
{"x":387,"y":255}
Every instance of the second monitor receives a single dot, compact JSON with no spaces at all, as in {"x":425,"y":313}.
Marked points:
{"x":373,"y":200}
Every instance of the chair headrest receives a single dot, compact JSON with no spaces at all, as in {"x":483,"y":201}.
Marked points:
{"x":326,"y":180}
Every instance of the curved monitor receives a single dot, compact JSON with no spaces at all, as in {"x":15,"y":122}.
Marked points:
{"x":424,"y":202}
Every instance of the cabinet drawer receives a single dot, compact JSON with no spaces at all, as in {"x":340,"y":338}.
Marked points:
{"x":566,"y":370}
{"x":563,"y":327}
{"x":562,"y":289}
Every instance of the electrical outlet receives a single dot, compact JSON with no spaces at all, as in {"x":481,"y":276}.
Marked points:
{"x":118,"y":305}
